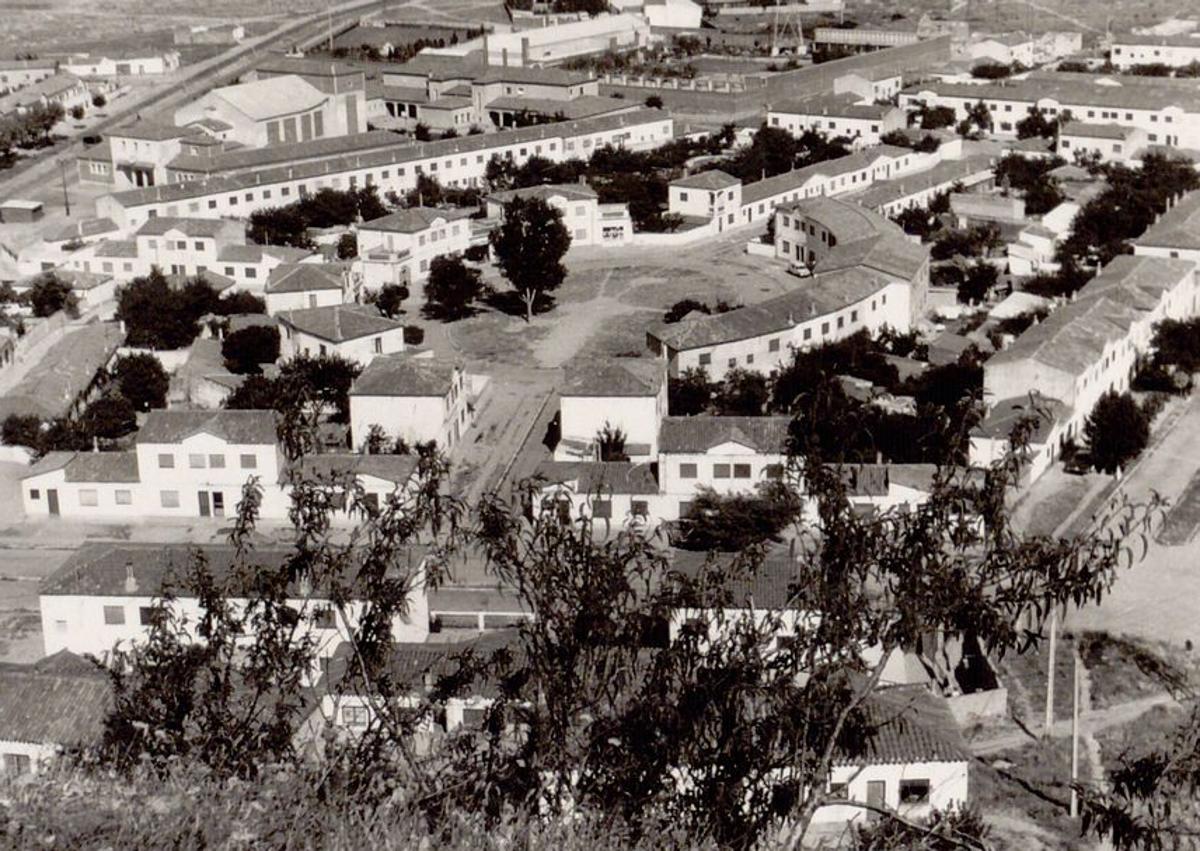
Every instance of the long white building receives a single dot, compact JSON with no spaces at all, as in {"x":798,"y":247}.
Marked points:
{"x":454,"y":162}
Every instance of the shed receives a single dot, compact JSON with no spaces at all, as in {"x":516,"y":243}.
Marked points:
{"x":20,"y":210}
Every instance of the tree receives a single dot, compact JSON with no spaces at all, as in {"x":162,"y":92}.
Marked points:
{"x":1117,"y":430}
{"x":935,"y":118}
{"x":978,"y":282}
{"x":741,"y":393}
{"x":77,"y":112}
{"x":654,"y":102}
{"x":991,"y":71}
{"x":50,"y":294}
{"x":389,"y":298}
{"x":610,"y":443}
{"x":22,"y":430}
{"x":1036,"y":125}
{"x":141,"y":380}
{"x":529,"y":247}
{"x":681,"y":309}
{"x":690,"y":393}
{"x":159,"y":317}
{"x":322,"y":382}
{"x":736,"y":522}
{"x":421,"y":133}
{"x":1177,"y":343}
{"x":247,"y":349}
{"x":347,"y":246}
{"x":452,"y":289}
{"x":99,"y":100}
{"x":110,"y":416}
{"x":256,"y":393}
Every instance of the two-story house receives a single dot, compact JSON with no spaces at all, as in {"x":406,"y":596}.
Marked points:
{"x":713,"y":196}
{"x":587,"y":220}
{"x":416,"y":399}
{"x":357,"y":332}
{"x":399,"y":247}
{"x":628,"y":395}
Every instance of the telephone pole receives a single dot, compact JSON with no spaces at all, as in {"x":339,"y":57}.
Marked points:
{"x":1049,"y":722}
{"x":62,"y":170}
{"x":1075,"y":740}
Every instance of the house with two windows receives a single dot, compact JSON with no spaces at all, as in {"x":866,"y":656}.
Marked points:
{"x":296,"y":286}
{"x":356,"y":332}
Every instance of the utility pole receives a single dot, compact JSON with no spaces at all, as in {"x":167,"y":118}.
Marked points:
{"x":1075,"y":741}
{"x":62,"y":170}
{"x":1049,"y":722}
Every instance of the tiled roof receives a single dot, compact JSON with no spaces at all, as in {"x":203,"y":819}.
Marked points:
{"x":401,"y":153}
{"x":762,"y":189}
{"x":712,"y":180}
{"x":533,"y":75}
{"x":449,"y":103}
{"x":907,"y":725}
{"x":846,"y":105}
{"x":1068,"y":92}
{"x":48,"y":708}
{"x":413,"y":219}
{"x":1097,"y":131}
{"x":76,"y":279}
{"x":1178,"y":227}
{"x":217,"y":281}
{"x":304,"y":277}
{"x":112,"y":467}
{"x":883,"y":192}
{"x":570,"y":191}
{"x":1156,"y":40}
{"x":340,"y":322}
{"x":601,"y":477}
{"x":272,"y":96}
{"x":405,"y":375}
{"x":159,"y":225}
{"x":612,"y":377}
{"x":846,"y":220}
{"x":247,"y":159}
{"x":392,"y":468}
{"x":149,"y":131}
{"x":1006,"y":413}
{"x":730,"y":580}
{"x":311,"y":67}
{"x":1073,"y":337}
{"x":245,"y":427}
{"x":766,"y":435}
{"x":82,"y":229}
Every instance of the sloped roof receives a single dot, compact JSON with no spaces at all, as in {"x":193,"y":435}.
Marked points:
{"x":794,"y":179}
{"x":612,"y":377}
{"x":272,"y":96}
{"x":701,"y":433}
{"x":610,"y":477}
{"x":245,"y":427}
{"x":159,"y":225}
{"x":404,"y":375}
{"x":1178,"y":227}
{"x":83,"y":229}
{"x":49,"y":708}
{"x":287,"y":153}
{"x":339,"y":322}
{"x":546,"y":191}
{"x":728,"y":579}
{"x":304,"y":277}
{"x":392,"y":468}
{"x":116,"y":248}
{"x":1067,"y":90}
{"x":845,"y":105}
{"x":1097,"y":131}
{"x":150,"y":131}
{"x":413,"y":219}
{"x":533,"y":75}
{"x":908,"y":724}
{"x":1004,"y":414}
{"x":116,"y":467}
{"x":712,"y":180}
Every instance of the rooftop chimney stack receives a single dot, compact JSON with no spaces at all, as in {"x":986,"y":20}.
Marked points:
{"x":131,"y":583}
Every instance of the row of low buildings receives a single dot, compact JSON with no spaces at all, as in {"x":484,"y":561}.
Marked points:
{"x":109,"y":595}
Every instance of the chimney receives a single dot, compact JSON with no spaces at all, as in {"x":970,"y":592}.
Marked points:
{"x":95,"y":443}
{"x":131,"y":583}
{"x":812,"y":309}
{"x":878,"y":456}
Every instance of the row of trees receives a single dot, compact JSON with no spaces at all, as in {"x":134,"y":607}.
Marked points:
{"x":325,"y":208}
{"x":30,"y":129}
{"x":306,"y":385}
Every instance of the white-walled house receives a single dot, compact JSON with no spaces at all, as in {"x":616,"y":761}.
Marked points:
{"x":713,"y":196}
{"x":625,"y":394}
{"x":587,"y":220}
{"x":1176,"y":233}
{"x":418,"y":399}
{"x":1175,"y":51}
{"x":848,"y":115}
{"x":673,"y":14}
{"x":1111,"y":142}
{"x":357,"y":332}
{"x":1004,"y":49}
{"x":56,"y":703}
{"x":726,"y":454}
{"x":192,"y":464}
{"x":399,"y":247}
{"x":295,"y":286}
{"x":109,"y":594}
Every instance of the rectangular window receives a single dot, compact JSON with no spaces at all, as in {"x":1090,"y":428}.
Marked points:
{"x":914,"y":792}
{"x":249,"y":462}
{"x":166,"y":461}
{"x":774,"y":471}
{"x":196,"y":461}
{"x":773,"y":345}
{"x":169,"y":499}
{"x":640,"y":508}
{"x":602,"y":509}
{"x":354,"y":716}
{"x":687,"y":471}
{"x":217,"y":462}
{"x":114,"y":615}
{"x":824,"y":327}
{"x":34,"y":493}
{"x":16,"y":764}
{"x":720,"y":471}
{"x":705,"y":359}
{"x":124,"y":497}
{"x":324,"y":618}
{"x":149,"y":615}
{"x":741,"y":471}
{"x":88,"y":497}
{"x":808,"y":333}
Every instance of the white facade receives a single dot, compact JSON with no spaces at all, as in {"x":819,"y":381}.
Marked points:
{"x":1109,"y":142}
{"x":554,"y":44}
{"x":1174,"y":51}
{"x":673,"y":14}
{"x":399,"y":248}
{"x":587,"y":220}
{"x":883,"y":784}
{"x":302,"y":333}
{"x":417,"y":402}
{"x":123,"y":66}
{"x":1004,"y":50}
{"x":862,"y":123}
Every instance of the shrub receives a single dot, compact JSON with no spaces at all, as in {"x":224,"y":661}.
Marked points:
{"x":414,"y":335}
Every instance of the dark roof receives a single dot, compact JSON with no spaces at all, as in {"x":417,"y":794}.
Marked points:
{"x":82,"y":229}
{"x":404,"y":375}
{"x":1178,"y":227}
{"x":762,"y":189}
{"x":245,"y":159}
{"x":339,"y":322}
{"x":701,"y":433}
{"x":103,"y":569}
{"x":304,"y":277}
{"x":1096,"y":131}
{"x":590,"y":477}
{"x":713,"y":180}
{"x":1005,"y":413}
{"x":151,"y":131}
{"x":192,"y":227}
{"x":114,"y":467}
{"x":612,"y":377}
{"x":533,"y":75}
{"x":907,"y":724}
{"x":392,"y":468}
{"x":246,"y":427}
{"x":43,"y":707}
{"x":570,"y":191}
{"x":413,"y":219}
{"x":732,"y":580}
